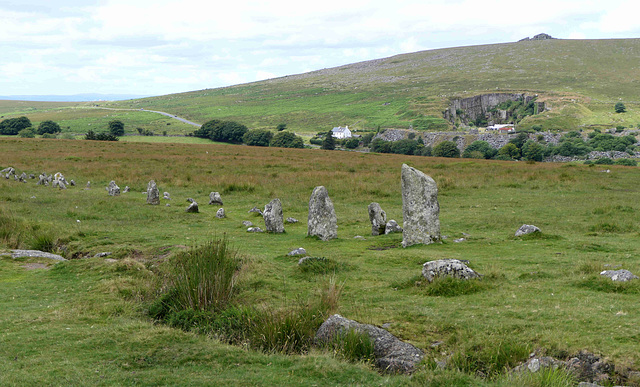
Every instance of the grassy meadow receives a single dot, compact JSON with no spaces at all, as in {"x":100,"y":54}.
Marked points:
{"x":85,"y":321}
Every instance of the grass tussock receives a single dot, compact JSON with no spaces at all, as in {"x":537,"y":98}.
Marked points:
{"x":13,"y":231}
{"x":611,"y":228}
{"x":353,"y":345}
{"x":604,"y":284}
{"x":322,"y":266}
{"x":204,"y":276}
{"x":446,"y":286}
{"x":490,"y":358}
{"x":546,"y":377}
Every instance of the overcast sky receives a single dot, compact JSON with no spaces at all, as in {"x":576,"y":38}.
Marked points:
{"x":164,"y":46}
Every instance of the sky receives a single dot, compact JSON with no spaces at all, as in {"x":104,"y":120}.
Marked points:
{"x":158,"y":47}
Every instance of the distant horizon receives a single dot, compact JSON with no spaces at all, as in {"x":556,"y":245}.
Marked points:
{"x":78,"y":97}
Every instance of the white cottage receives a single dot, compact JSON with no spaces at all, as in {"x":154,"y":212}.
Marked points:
{"x":340,"y":132}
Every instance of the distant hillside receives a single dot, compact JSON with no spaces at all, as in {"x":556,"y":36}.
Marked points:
{"x":70,"y":98}
{"x":579,"y":81}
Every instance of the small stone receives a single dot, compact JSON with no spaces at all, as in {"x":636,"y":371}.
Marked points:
{"x":102,"y":255}
{"x":527,"y":229}
{"x":447,"y":268}
{"x":254,"y":229}
{"x":391,"y":227}
{"x":190,"y":200}
{"x":247,"y":223}
{"x":360,"y":237}
{"x":256,"y":210}
{"x":166,"y":196}
{"x":113,"y":189}
{"x":221,"y":214}
{"x":193,"y":207}
{"x":167,"y":205}
{"x":88,"y":186}
{"x":215,"y":198}
{"x":126,"y":189}
{"x":291,"y":220}
{"x":72,"y":183}
{"x":459,"y":240}
{"x":298,"y":251}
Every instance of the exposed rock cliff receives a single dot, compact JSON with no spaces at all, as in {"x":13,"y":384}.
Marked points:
{"x":483,"y":106}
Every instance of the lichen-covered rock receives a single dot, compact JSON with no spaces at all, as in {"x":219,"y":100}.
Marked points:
{"x":272,"y":215}
{"x":298,"y":251}
{"x":166,"y":196}
{"x":113,"y":189}
{"x":392,"y":355}
{"x":247,"y":223}
{"x":619,"y":275}
{"x":221,"y":214}
{"x":215,"y":198}
{"x":291,"y":220}
{"x":391,"y":227}
{"x":527,"y":229}
{"x":126,"y":189}
{"x":420,"y":208}
{"x":447,"y":268}
{"x":35,"y":254}
{"x":256,"y":210}
{"x":193,"y":207}
{"x":378,"y":219}
{"x":254,"y":229}
{"x":153,"y":193}
{"x":323,"y":221}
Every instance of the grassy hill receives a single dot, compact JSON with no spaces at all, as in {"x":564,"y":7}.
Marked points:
{"x":580,"y":80}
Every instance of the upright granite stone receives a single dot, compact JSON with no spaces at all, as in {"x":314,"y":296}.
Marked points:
{"x":220,"y":214}
{"x":420,"y":208}
{"x":322,"y":221}
{"x":215,"y":198}
{"x":113,"y":189}
{"x":378,"y":219}
{"x":193,"y":208}
{"x":272,"y":215}
{"x":153,"y":193}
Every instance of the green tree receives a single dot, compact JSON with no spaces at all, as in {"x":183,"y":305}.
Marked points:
{"x":519,"y":140}
{"x":481,"y":147}
{"x":404,"y":147}
{"x":352,"y":143}
{"x":380,"y":146}
{"x":281,"y":127}
{"x":531,"y":150}
{"x":286,"y":140}
{"x":509,"y":152}
{"x":116,"y":128}
{"x":48,"y":127}
{"x":446,"y":149}
{"x":257,"y":137}
{"x":13,"y":126}
{"x":27,"y":133}
{"x":620,"y":108}
{"x":328,"y":142}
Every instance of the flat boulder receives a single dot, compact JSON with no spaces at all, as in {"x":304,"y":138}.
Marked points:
{"x":291,"y":220}
{"x":621,"y":275}
{"x":254,"y":229}
{"x":527,"y":229}
{"x":392,"y":355}
{"x":322,"y":221}
{"x":420,"y":208}
{"x":298,"y":251}
{"x":447,"y":268}
{"x":392,"y":226}
{"x":35,"y":254}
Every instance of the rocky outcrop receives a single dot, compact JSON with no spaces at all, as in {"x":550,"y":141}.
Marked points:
{"x":483,"y":106}
{"x":541,"y":36}
{"x":392,"y":355}
{"x":420,"y":208}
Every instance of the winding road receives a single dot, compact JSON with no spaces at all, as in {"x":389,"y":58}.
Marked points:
{"x":155,"y":111}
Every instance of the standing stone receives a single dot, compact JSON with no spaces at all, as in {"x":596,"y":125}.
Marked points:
{"x":378,"y":219}
{"x":153,"y":193}
{"x":272,"y":215}
{"x":323,"y":221}
{"x":193,"y":207}
{"x":24,"y":177}
{"x":221,"y":214}
{"x":113,"y":189}
{"x":255,"y":210}
{"x":420,"y":208}
{"x":72,"y":183}
{"x":215,"y":198}
{"x":42,"y":180}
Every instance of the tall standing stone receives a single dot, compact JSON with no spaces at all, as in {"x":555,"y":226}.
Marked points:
{"x":322,"y":221}
{"x":273,"y":219}
{"x":420,"y":208}
{"x":153,"y":193}
{"x":215,"y":198}
{"x":113,"y":189}
{"x":378,"y":219}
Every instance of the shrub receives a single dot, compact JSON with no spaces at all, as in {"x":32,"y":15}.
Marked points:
{"x":627,"y":162}
{"x":13,"y":126}
{"x":604,"y":161}
{"x":446,"y":149}
{"x":366,"y":139}
{"x":286,"y":140}
{"x":223,"y":131}
{"x":49,"y":135}
{"x":404,"y":147}
{"x":381,"y":146}
{"x":620,"y":108}
{"x":27,"y":133}
{"x":481,"y":148}
{"x":531,"y":150}
{"x":116,"y":128}
{"x":204,"y":276}
{"x":352,"y":143}
{"x":257,"y":137}
{"x":509,"y":152}
{"x":320,"y":265}
{"x":103,"y":136}
{"x":48,"y":127}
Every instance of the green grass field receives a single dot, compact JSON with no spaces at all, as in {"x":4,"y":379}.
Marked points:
{"x":85,"y":322}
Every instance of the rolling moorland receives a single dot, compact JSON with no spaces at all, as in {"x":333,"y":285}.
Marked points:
{"x":580,"y":80}
{"x":89,"y":320}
